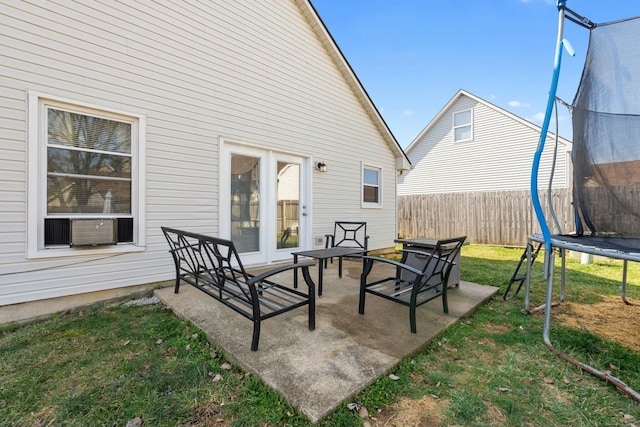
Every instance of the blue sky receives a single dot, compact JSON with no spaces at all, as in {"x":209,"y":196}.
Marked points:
{"x":412,"y":56}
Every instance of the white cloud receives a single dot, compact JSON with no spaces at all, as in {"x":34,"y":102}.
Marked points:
{"x":517,"y":104}
{"x":538,"y":117}
{"x":407,"y":113}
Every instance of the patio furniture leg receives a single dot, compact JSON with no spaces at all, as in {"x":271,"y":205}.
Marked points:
{"x":177,"y":287}
{"x":361,"y":303}
{"x":312,"y":299}
{"x":176,"y":263}
{"x":367,"y":264}
{"x":445,"y":304}
{"x":256,"y":335}
{"x":320,"y":279}
{"x":412,"y":318}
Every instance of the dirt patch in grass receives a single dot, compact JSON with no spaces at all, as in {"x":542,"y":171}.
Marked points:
{"x":208,"y":416}
{"x":425,"y":412}
{"x":611,"y":319}
{"x":496,"y":329}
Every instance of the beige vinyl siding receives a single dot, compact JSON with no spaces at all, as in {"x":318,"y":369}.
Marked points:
{"x":12,"y":166}
{"x":248,"y":72}
{"x":499,"y":157}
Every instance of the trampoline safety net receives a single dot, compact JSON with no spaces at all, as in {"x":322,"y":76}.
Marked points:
{"x":606,"y":133}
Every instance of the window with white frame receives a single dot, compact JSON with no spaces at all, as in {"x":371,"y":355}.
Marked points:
{"x":371,"y":186}
{"x":463,"y":125}
{"x":85,"y":175}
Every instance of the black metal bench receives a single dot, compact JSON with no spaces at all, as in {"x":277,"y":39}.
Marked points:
{"x":213,"y":266}
{"x":416,"y":284}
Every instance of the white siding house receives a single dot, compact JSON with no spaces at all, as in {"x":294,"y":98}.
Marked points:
{"x":181,"y":114}
{"x":474,"y":146}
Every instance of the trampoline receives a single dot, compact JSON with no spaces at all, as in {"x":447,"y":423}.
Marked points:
{"x":606,"y":160}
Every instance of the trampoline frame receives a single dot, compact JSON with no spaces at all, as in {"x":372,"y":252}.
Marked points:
{"x":563,"y":242}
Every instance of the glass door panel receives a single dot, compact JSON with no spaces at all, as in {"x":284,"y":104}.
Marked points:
{"x":264,"y":206}
{"x":245,"y":202}
{"x":287,"y":205}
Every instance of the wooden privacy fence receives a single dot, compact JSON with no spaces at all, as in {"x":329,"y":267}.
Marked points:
{"x":495,"y":218}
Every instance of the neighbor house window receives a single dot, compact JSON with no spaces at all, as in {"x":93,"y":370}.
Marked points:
{"x":86,"y":166}
{"x":463,"y":125}
{"x":371,"y":186}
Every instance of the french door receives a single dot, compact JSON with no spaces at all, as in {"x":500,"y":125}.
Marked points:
{"x":264,"y":205}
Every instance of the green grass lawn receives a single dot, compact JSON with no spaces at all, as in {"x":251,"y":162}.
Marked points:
{"x":109,"y":364}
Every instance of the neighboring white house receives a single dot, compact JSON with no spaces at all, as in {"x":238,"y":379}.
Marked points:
{"x":118,"y":118}
{"x":474,"y":146}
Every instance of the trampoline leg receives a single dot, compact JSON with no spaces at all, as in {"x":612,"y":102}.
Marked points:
{"x":527,"y":283}
{"x":548,"y":259}
{"x":624,"y":283}
{"x":563,"y":275}
{"x":548,"y":263}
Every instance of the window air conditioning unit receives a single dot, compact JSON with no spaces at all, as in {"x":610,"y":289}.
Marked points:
{"x":93,"y":232}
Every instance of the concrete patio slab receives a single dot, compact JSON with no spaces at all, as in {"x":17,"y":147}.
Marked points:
{"x":318,"y":370}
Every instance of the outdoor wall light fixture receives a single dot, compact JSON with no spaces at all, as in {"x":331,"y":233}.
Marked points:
{"x":322,"y":167}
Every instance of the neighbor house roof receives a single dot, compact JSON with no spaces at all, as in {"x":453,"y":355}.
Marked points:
{"x":310,"y":13}
{"x":462,"y":93}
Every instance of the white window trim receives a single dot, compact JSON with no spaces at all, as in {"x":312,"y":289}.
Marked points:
{"x":453,"y":121}
{"x":368,"y":205}
{"x":37,"y":178}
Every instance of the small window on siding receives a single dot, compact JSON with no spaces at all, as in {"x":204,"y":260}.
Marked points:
{"x":463,"y":125}
{"x":371,"y":186}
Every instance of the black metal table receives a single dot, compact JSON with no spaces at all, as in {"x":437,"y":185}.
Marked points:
{"x":322,"y":255}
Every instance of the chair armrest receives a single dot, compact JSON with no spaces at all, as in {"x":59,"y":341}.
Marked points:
{"x":428,"y":255}
{"x":397,"y":264}
{"x":261,"y":277}
{"x":421,"y":253}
